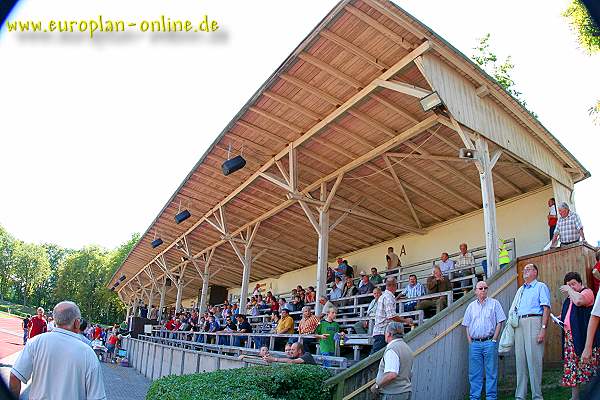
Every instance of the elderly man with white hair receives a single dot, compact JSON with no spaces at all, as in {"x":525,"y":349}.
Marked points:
{"x":568,"y":228}
{"x":77,"y":373}
{"x":393,"y":381}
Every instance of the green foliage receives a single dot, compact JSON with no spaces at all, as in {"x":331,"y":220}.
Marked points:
{"x":290,"y":382}
{"x":7,"y":245}
{"x":43,"y":275}
{"x":588,"y":35}
{"x":501,"y":72}
{"x":31,"y":267}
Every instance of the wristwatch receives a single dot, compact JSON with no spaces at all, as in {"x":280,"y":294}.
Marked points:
{"x":543,"y":326}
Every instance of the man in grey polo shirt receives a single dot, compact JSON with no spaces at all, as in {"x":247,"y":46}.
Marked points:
{"x":76,"y":374}
{"x":393,"y":380}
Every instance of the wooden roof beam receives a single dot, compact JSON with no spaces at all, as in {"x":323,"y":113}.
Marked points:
{"x":414,"y":147}
{"x":373,"y":23}
{"x":439,"y":185}
{"x":405,"y":88}
{"x":398,"y":19}
{"x":402,"y":190}
{"x":291,"y":104}
{"x":347,"y":79}
{"x":323,"y":95}
{"x":353,"y":49}
{"x":396,"y":68}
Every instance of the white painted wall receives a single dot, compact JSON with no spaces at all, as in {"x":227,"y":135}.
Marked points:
{"x":523,"y":218}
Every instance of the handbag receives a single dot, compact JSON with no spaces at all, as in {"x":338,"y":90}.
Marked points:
{"x":513,"y":316}
{"x":507,"y":339}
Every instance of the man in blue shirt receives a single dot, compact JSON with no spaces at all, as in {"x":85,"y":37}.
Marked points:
{"x":533,"y":310}
{"x":413,"y":289}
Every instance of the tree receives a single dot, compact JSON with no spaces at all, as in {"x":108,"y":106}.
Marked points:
{"x":7,"y":245}
{"x":45,"y":294}
{"x":31,"y":268}
{"x":47,"y":274}
{"x":588,"y":36}
{"x":501,"y":72}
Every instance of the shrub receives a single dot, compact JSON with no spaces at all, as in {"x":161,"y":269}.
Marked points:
{"x":289,"y":382}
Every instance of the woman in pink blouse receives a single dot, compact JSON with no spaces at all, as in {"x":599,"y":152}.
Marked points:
{"x":575,"y":315}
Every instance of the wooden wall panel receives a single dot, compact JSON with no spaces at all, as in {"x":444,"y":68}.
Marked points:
{"x":553,"y":265}
{"x":484,"y":116}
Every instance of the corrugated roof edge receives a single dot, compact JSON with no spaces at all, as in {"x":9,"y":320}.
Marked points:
{"x":331,"y":16}
{"x":586,"y":173}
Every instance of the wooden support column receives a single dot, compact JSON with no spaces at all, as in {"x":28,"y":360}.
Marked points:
{"x":202,"y":306}
{"x":128,"y":312}
{"x":322,"y":256}
{"x":179,"y":294}
{"x":484,"y":165}
{"x":247,"y":262}
{"x":161,"y":305}
{"x":150,"y":298}
{"x":245,"y":257}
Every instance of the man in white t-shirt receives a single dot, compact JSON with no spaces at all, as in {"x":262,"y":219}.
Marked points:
{"x":58,"y":363}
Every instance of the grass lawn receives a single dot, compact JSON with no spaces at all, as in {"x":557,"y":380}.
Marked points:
{"x":16,"y":309}
{"x":551,"y":388}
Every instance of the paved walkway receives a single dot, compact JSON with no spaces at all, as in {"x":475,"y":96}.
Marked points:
{"x":124,"y":383}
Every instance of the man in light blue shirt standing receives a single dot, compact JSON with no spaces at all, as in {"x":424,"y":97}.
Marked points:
{"x":446,"y":265}
{"x":483,"y":320}
{"x":533,"y":310}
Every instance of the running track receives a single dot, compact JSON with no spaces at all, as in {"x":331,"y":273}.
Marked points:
{"x":11,"y":335}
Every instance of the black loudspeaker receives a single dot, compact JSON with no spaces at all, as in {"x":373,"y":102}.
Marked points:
{"x":182,"y":216}
{"x":156,"y":242}
{"x":230,"y":166}
{"x":217,"y":294}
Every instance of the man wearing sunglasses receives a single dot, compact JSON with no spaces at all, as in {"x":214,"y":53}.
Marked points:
{"x":483,"y":321}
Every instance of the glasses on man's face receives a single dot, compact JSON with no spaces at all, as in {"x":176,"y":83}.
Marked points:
{"x":483,"y":288}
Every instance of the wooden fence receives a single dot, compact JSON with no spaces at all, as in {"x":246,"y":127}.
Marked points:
{"x":553,"y":265}
{"x":440,"y":369}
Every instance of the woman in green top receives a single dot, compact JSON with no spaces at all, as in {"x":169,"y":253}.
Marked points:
{"x":326,"y":332}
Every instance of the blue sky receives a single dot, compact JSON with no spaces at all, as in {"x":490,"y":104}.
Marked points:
{"x":97,"y":134}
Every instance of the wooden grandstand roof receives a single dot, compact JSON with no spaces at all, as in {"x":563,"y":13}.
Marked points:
{"x":401,"y":171}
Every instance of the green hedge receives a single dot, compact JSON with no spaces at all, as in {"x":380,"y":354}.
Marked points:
{"x":14,"y":310}
{"x":282,"y":381}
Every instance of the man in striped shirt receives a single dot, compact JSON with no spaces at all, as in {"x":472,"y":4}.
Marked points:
{"x":483,"y":321}
{"x":413,"y":289}
{"x":386,"y":313}
{"x":568,"y":228}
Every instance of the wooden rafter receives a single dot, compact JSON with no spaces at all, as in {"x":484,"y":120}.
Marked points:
{"x":402,"y":191}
